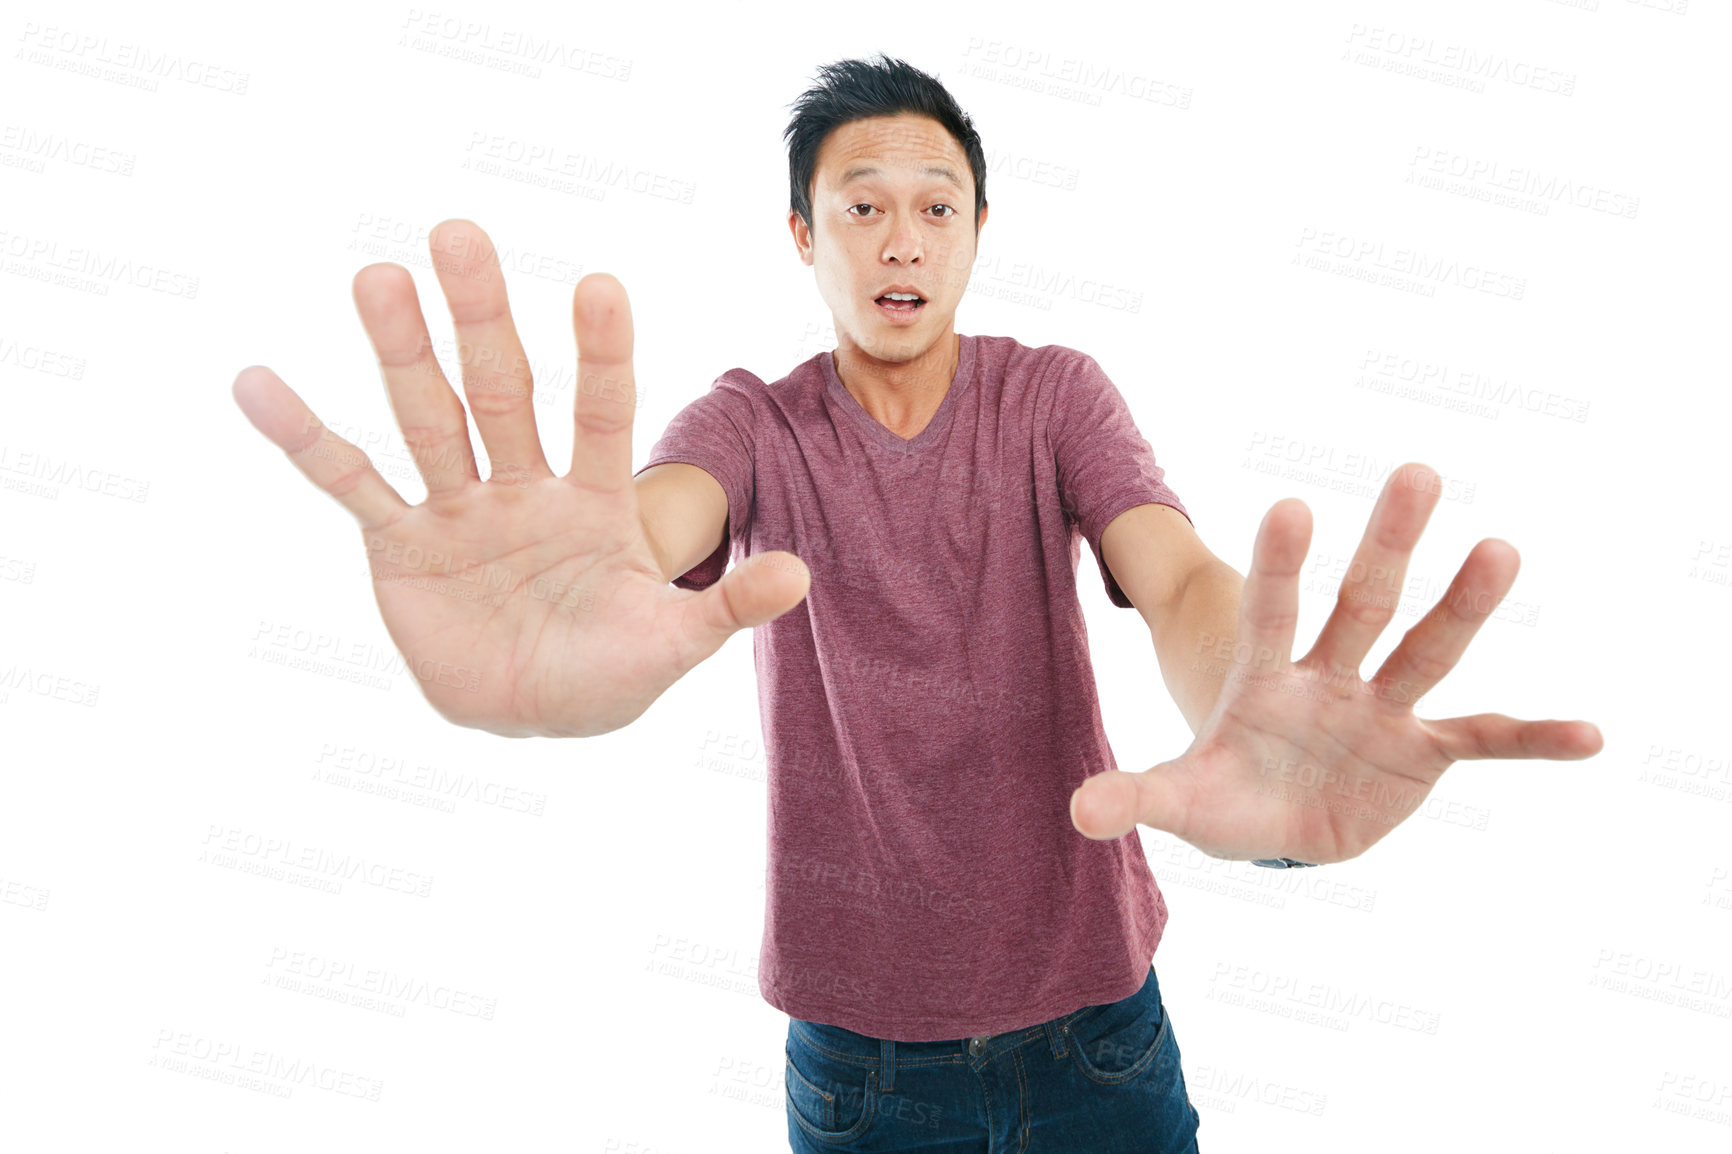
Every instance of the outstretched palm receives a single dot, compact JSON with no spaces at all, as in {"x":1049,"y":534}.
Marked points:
{"x":529,"y":603}
{"x":1303,"y":759}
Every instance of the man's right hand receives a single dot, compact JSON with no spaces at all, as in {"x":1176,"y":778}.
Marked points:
{"x":545,"y":587}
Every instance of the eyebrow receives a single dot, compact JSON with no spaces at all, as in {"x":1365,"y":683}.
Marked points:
{"x":942,"y":170}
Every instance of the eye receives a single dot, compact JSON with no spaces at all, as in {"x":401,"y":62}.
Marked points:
{"x":852,"y":207}
{"x":948,"y":211}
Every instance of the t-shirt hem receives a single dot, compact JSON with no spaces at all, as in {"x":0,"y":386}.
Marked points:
{"x":736,"y":499}
{"x":1122,"y":502}
{"x":951,"y":1029}
{"x":933,"y":1029}
{"x":708,"y":571}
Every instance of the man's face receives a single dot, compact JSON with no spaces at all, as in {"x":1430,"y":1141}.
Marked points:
{"x":892,"y":198}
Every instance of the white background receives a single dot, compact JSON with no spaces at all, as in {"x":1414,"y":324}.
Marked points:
{"x":1242,"y":170}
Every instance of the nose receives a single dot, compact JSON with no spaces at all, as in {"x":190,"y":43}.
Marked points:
{"x":903,"y":243}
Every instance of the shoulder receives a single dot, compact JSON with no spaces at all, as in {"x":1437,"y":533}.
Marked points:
{"x":1031,"y":366}
{"x":1048,"y":382}
{"x":803,"y":379}
{"x":738,"y":392}
{"x":761,"y":409}
{"x":742,"y":382}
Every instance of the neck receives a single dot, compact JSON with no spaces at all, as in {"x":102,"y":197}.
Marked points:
{"x":901,"y":396}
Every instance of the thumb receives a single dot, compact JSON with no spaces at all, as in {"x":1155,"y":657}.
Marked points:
{"x":761,"y":588}
{"x":1113,"y":803}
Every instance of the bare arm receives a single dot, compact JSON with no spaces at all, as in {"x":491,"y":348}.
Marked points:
{"x":1188,"y":597}
{"x":685,"y":515}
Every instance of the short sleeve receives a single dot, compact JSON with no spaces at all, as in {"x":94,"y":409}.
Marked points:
{"x":1104,"y":464}
{"x":715,"y":432}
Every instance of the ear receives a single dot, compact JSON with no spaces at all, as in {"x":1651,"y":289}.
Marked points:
{"x":802,"y":236}
{"x":984,"y":206}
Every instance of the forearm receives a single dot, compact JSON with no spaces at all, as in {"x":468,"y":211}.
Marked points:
{"x":1195,"y":639}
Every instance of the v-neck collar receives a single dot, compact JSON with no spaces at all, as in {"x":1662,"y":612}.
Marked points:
{"x":875,"y":429}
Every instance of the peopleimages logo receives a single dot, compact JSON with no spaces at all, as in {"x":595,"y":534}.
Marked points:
{"x":1287,"y":995}
{"x":135,"y":65}
{"x":322,"y":976}
{"x":508,"y":49}
{"x":39,"y":258}
{"x":494,"y":154}
{"x":282,"y":859}
{"x":1363,"y":257}
{"x":1068,"y":77}
{"x":248,"y":1067}
{"x":1530,"y":188}
{"x":1425,"y":57}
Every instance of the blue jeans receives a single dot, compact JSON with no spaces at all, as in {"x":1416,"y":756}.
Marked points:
{"x":1104,"y":1079}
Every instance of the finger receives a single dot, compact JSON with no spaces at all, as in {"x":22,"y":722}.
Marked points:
{"x":1269,"y":608}
{"x":1372,"y":587}
{"x":1113,"y":803}
{"x":759,"y":589}
{"x":1494,"y":735}
{"x":606,"y":387}
{"x":496,"y":374}
{"x":428,"y":411}
{"x":325,"y":459}
{"x":1431,"y":648}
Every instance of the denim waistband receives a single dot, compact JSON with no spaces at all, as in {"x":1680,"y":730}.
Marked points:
{"x":891,"y":1055}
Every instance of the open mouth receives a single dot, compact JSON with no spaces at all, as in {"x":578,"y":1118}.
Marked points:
{"x":902,"y":304}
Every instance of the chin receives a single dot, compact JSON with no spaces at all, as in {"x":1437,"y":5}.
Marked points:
{"x":896,"y":347}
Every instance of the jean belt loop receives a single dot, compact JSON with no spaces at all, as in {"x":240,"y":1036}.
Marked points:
{"x":1055,"y":1037}
{"x":886,"y":1065}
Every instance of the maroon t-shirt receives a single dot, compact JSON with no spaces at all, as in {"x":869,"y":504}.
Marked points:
{"x":929,"y":708}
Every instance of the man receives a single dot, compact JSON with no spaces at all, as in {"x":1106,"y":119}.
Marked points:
{"x":960,"y":918}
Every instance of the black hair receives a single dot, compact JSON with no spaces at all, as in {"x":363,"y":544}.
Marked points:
{"x":849,"y":90}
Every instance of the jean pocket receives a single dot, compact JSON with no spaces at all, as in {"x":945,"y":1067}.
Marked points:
{"x":1116,"y":1041}
{"x":831,"y":1098}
